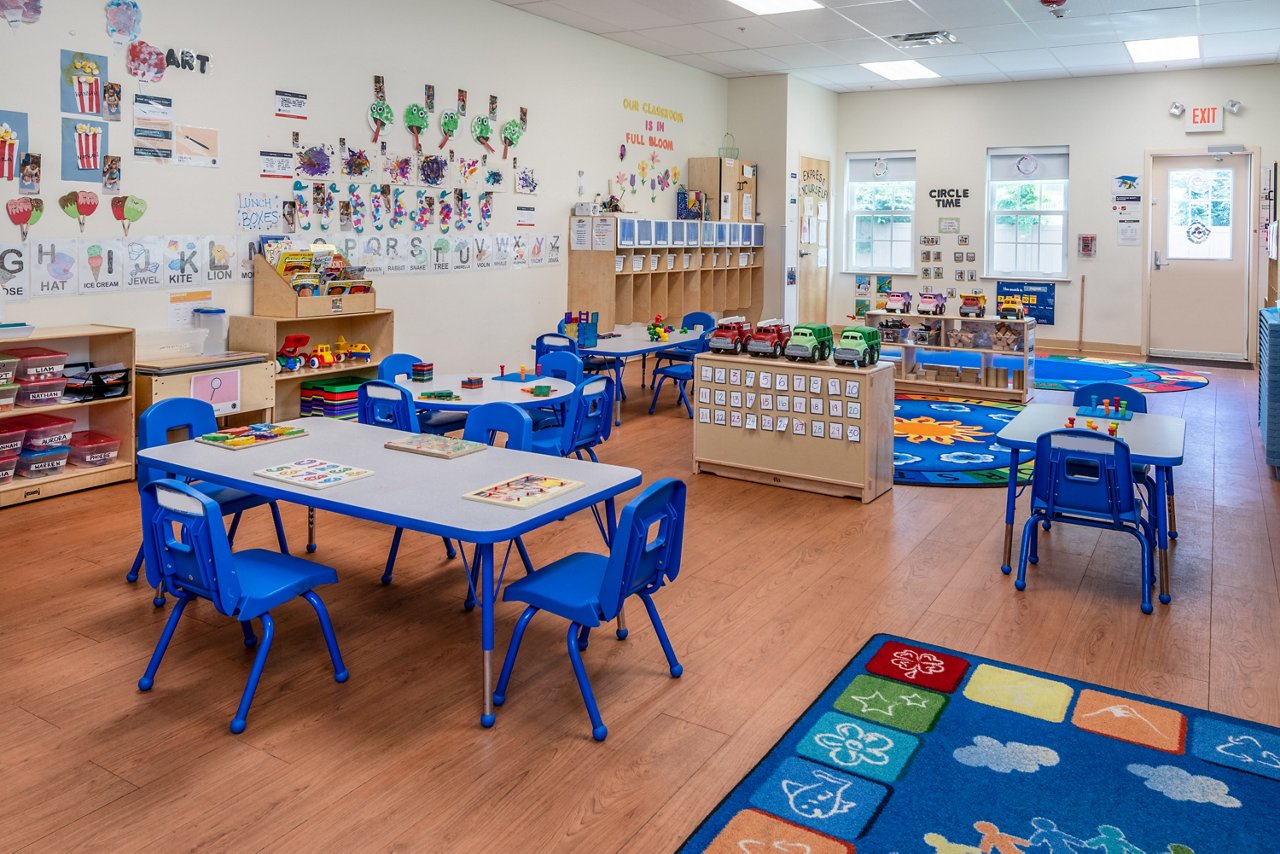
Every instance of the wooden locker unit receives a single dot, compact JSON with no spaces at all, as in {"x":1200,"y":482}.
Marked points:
{"x":719,"y":177}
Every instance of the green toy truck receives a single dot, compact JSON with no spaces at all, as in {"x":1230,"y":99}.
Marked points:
{"x":809,"y":341}
{"x":858,"y":345}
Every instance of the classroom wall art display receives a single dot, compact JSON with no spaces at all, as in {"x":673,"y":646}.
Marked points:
{"x":80,"y":87}
{"x":355,"y":161}
{"x":17,"y":12}
{"x":15,"y":273}
{"x":526,"y":181}
{"x":79,"y":205}
{"x":84,"y":144}
{"x":124,"y":21}
{"x":145,"y":61}
{"x":313,"y":161}
{"x":432,"y":170}
{"x":55,"y":270}
{"x":101,"y":264}
{"x":13,"y":144}
{"x":24,"y":213}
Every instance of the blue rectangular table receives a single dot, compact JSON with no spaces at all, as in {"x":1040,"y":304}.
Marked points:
{"x":410,"y":491}
{"x":1153,"y":440}
{"x":632,"y":340}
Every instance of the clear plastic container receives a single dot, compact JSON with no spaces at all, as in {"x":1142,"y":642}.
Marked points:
{"x":37,"y":363}
{"x":11,"y":436}
{"x":43,"y":463}
{"x":91,"y":448}
{"x":44,"y":392}
{"x":8,"y":367}
{"x":43,"y":431}
{"x":7,"y":467}
{"x":8,"y":396}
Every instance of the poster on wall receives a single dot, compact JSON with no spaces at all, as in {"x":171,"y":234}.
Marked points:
{"x":80,"y":87}
{"x":291,"y":105}
{"x":194,"y":146}
{"x":219,"y":259}
{"x":15,"y":272}
{"x":101,"y":264}
{"x":142,"y":265}
{"x":1037,"y":298}
{"x":152,"y":127}
{"x":183,"y":264}
{"x":55,"y":270}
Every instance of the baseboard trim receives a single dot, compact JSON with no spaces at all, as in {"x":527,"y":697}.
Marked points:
{"x":1088,"y":346}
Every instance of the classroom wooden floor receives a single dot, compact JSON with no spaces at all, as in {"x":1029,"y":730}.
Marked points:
{"x":777,"y":592}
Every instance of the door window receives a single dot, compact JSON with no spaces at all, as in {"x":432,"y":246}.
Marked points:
{"x":1200,"y":214}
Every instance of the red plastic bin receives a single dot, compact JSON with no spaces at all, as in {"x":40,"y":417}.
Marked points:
{"x":43,"y":431}
{"x":8,"y":396}
{"x":11,"y":436}
{"x":91,"y":448}
{"x":7,"y":467}
{"x":8,"y":367}
{"x":43,"y":463}
{"x":37,"y":363}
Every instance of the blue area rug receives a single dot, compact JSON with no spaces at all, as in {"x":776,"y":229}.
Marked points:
{"x":951,"y":441}
{"x":1068,"y":373}
{"x":915,"y":748}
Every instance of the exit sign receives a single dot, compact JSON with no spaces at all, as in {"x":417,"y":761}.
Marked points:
{"x":1203,"y":119}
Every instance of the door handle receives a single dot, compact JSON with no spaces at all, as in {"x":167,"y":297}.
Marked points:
{"x":804,"y":254}
{"x":1160,"y":265}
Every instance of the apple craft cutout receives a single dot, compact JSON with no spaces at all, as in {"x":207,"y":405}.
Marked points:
{"x":79,"y":204}
{"x":127,"y":210}
{"x":415,"y":119}
{"x":24,"y":213}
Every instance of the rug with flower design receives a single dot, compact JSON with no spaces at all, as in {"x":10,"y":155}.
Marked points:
{"x":951,"y":441}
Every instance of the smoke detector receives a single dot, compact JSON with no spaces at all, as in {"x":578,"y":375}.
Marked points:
{"x":923,"y":39}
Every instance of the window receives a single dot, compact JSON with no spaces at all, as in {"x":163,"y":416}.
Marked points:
{"x":881,"y":205}
{"x":1200,"y":213}
{"x":1027,"y":212}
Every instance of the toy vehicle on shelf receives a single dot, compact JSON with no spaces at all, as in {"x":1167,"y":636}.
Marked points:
{"x":769,"y":338}
{"x":892,"y":330}
{"x":292,"y":354}
{"x":933,"y":302}
{"x":322,"y":357}
{"x":1010,"y":308}
{"x":730,"y":334}
{"x":899,"y":301}
{"x":344,"y":350}
{"x":973,"y":305}
{"x":858,"y":345}
{"x":809,"y":341}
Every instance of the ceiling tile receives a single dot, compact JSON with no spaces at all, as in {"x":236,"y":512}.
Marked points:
{"x":864,"y":50}
{"x":1164,"y":23}
{"x":1239,"y":17}
{"x":751,"y":32}
{"x":818,"y":25}
{"x":1092,"y":56}
{"x":966,"y":79}
{"x":976,"y":13}
{"x":953,"y":66}
{"x":847,"y":74}
{"x":1071,"y":31}
{"x":1041,"y":74}
{"x":748,"y":60}
{"x":688,"y":38}
{"x":697,"y":60}
{"x":1103,"y":70}
{"x":556,"y":12}
{"x":801,"y":55}
{"x":999,"y":37}
{"x":1227,"y":45}
{"x":1024,"y":60}
{"x":890,"y":18}
{"x":695,"y":11}
{"x":622,"y":14}
{"x":644,"y":42}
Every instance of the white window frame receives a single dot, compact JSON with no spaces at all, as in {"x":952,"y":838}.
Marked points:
{"x":1037,"y":166}
{"x":871,"y":168}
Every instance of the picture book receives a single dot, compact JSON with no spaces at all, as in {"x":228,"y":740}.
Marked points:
{"x":523,"y":491}
{"x":293,"y":262}
{"x":239,"y":438}
{"x":430,"y":445}
{"x":313,"y":473}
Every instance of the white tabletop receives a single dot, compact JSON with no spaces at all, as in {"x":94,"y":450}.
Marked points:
{"x":406,"y":490}
{"x":1152,"y":439}
{"x":493,"y":391}
{"x":633,"y":340}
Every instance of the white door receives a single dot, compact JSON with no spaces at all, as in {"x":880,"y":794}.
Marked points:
{"x":1201,"y":223}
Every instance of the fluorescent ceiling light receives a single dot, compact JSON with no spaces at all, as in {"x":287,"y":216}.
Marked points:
{"x":773,"y":7}
{"x":904,"y":69}
{"x":1164,"y":50}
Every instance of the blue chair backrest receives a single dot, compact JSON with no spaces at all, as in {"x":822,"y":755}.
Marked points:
{"x":186,"y":415}
{"x":1083,"y":472}
{"x":551,"y":342}
{"x":395,"y":365}
{"x":593,"y":421}
{"x":485,"y":422}
{"x":562,"y":365}
{"x":186,"y":529}
{"x":646,"y":549}
{"x":385,"y":404}
{"x":698,"y":318}
{"x":1109,"y":391}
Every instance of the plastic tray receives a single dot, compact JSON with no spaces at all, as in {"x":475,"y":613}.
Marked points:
{"x":91,"y":448}
{"x":45,"y":463}
{"x":46,"y":392}
{"x":43,"y":431}
{"x":37,"y":362}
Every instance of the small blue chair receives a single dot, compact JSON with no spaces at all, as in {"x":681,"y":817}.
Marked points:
{"x":559,"y":365}
{"x":686,"y":350}
{"x":190,"y":418}
{"x":552,"y":341}
{"x":680,"y":373}
{"x":196,"y":562}
{"x":589,"y":590}
{"x":593,"y":420}
{"x":1085,"y":478}
{"x":436,"y":422}
{"x":384,"y":404}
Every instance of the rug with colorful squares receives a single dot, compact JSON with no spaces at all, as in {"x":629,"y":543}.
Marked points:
{"x":916,"y":748}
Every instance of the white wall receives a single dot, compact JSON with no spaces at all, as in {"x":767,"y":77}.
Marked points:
{"x":573,"y":84}
{"x":1108,"y":122}
{"x":812,"y":132}
{"x":755,"y":107}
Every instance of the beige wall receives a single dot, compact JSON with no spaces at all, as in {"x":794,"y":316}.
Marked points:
{"x":811,"y":132}
{"x":757,"y":110}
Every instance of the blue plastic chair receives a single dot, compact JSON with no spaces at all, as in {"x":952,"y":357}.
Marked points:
{"x":190,"y":418}
{"x":435,"y":422}
{"x":550,"y":342}
{"x":596,"y":364}
{"x":680,"y":373}
{"x":384,"y":404}
{"x":589,"y":590}
{"x":593,"y":420}
{"x":686,"y":350}
{"x":560,"y":365}
{"x":196,"y":562}
{"x":1085,"y":478}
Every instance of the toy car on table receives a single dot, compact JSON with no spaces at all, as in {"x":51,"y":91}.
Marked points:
{"x":730,"y":334}
{"x":292,"y":353}
{"x":809,"y":341}
{"x":933,"y":302}
{"x":858,"y":345}
{"x":1011,"y":308}
{"x":769,"y":338}
{"x":973,"y":305}
{"x":899,"y":301}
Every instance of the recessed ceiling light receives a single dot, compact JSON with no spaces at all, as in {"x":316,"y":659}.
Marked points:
{"x":903,"y":69}
{"x":773,"y":7}
{"x":935,"y":37}
{"x":1164,"y":50}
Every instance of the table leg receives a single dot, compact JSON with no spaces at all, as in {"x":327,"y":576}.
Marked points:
{"x":611,"y":520}
{"x":644,"y":361}
{"x":1173,"y":511}
{"x":1010,"y":505}
{"x":487,"y":602}
{"x":311,"y":530}
{"x":617,"y":392}
{"x":1162,"y":533}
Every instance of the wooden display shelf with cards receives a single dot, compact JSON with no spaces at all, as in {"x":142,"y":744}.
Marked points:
{"x":272,"y":297}
{"x":844,"y":446}
{"x":631,"y":283}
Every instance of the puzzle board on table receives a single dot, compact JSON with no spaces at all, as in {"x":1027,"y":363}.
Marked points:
{"x":239,"y":438}
{"x":313,"y":473}
{"x":915,"y":748}
{"x":526,"y":490}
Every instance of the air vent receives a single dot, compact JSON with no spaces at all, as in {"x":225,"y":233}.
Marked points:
{"x":922,"y":39}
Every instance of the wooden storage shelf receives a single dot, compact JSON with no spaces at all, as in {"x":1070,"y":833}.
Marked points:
{"x":266,"y":334}
{"x":685,"y":279}
{"x":273,"y":297}
{"x":910,"y":376}
{"x":861,"y":469}
{"x":101,"y":345}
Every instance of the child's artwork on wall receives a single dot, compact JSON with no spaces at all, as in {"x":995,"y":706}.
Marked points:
{"x":415,"y":121}
{"x":468,"y":168}
{"x":432,"y":170}
{"x":84,"y":144}
{"x":24,"y":213}
{"x":494,"y":178}
{"x":13,"y":144}
{"x":511,"y":133}
{"x":145,"y":62}
{"x":486,"y":211}
{"x":424,"y":214}
{"x":124,"y":21}
{"x":399,"y":169}
{"x":355,"y":162}
{"x":448,"y":127}
{"x":81,"y":83}
{"x":20,"y":11}
{"x":313,"y":161}
{"x":481,"y":131}
{"x":525,"y":181}
{"x":127,"y":210}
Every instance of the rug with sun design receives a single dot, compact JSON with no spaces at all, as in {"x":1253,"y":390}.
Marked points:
{"x":951,"y":441}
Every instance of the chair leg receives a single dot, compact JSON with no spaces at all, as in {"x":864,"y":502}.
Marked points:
{"x":330,"y":640}
{"x":235,"y":526}
{"x":657,"y":389}
{"x":250,"y":639}
{"x":391,"y":555}
{"x":1173,"y":512}
{"x":1033,"y":556}
{"x":677,"y":669}
{"x":1148,"y":571}
{"x":239,"y":722}
{"x":524,"y":556}
{"x":584,"y":638}
{"x":149,"y":678}
{"x":500,"y":692}
{"x":449,"y":551}
{"x":598,"y":729}
{"x":1020,"y":583}
{"x":132,"y":575}
{"x":680,"y":385}
{"x":158,"y":599}
{"x":591,"y":453}
{"x":280,"y":537}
